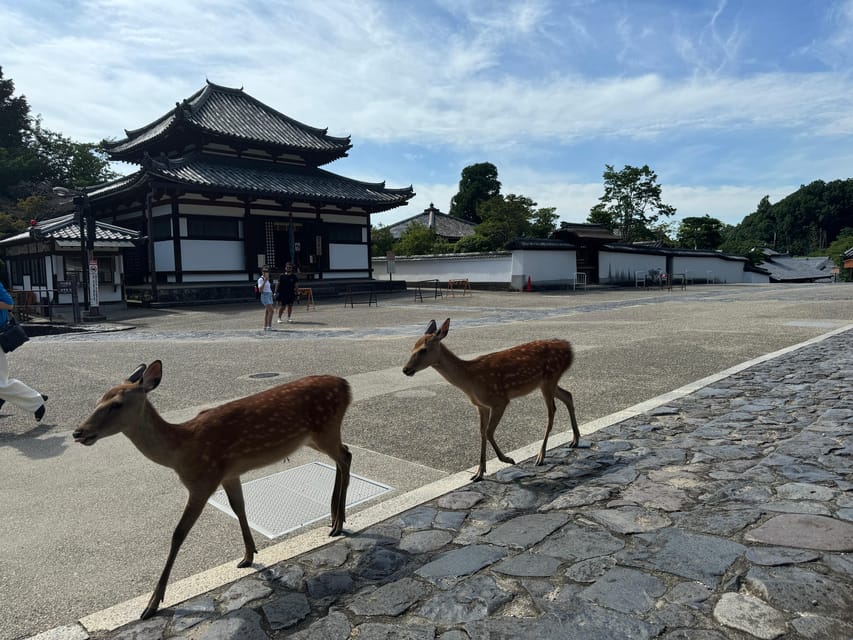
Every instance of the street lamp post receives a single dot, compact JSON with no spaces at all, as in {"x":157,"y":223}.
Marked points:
{"x":89,"y":266}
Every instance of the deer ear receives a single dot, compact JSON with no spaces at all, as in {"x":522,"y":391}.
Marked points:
{"x":445,"y":327}
{"x":430,"y":328}
{"x":152,"y":377}
{"x":137,"y":373}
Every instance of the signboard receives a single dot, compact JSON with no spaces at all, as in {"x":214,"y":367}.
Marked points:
{"x":64,"y":286}
{"x":93,"y":283}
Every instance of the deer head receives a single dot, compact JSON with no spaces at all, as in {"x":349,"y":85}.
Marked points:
{"x":117,"y":408}
{"x":427,"y":349}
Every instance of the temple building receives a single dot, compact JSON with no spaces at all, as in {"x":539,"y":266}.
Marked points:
{"x":227,"y":184}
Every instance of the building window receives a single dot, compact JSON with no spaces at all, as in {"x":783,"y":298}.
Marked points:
{"x":105,"y":269}
{"x":25,"y":266}
{"x":213,"y":228}
{"x":344,"y":233}
{"x":161,"y":228}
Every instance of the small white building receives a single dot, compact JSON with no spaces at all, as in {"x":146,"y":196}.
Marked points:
{"x":48,"y":253}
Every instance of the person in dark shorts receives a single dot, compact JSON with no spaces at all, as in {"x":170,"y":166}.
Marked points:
{"x":285,"y":292}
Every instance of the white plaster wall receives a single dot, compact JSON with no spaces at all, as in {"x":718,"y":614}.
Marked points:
{"x":198,"y":255}
{"x":751,"y":277}
{"x":543,"y":267}
{"x":347,"y":256}
{"x":707,"y":268}
{"x":619,"y":268}
{"x":164,"y":255}
{"x":477,"y":267}
{"x":338,"y":276}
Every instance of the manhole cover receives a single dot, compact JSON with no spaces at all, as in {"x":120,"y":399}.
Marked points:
{"x":288,"y":500}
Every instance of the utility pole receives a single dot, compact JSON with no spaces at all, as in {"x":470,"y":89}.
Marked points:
{"x":89,"y":264}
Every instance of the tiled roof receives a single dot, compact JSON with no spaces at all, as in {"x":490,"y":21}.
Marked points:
{"x":671,"y":251}
{"x":552,"y":244}
{"x":445,"y":226}
{"x":261,"y":178}
{"x":66,"y":229}
{"x":784,"y":268}
{"x":231,"y":113}
{"x":580,"y":231}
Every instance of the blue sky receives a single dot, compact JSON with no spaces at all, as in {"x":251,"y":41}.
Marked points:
{"x":728,"y":101}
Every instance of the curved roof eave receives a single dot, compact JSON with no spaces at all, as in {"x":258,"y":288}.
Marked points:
{"x":335,"y":146}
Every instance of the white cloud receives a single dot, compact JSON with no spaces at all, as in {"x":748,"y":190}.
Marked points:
{"x":514,"y":83}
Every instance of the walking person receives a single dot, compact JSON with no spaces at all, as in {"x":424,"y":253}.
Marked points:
{"x":285,"y":292}
{"x":265,"y":289}
{"x":11,"y":389}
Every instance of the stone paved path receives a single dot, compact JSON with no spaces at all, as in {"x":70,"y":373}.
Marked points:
{"x":726,"y":514}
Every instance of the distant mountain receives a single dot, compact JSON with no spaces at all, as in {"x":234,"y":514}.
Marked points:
{"x":803,"y":223}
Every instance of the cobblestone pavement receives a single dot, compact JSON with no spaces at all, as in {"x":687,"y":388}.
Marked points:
{"x":727,"y":513}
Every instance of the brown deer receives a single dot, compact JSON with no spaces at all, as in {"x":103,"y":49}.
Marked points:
{"x":221,"y":443}
{"x":492,"y":380}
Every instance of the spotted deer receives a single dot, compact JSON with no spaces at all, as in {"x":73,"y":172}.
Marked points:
{"x":220,"y":444}
{"x":492,"y":380}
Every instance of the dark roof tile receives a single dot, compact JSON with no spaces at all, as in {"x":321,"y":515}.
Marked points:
{"x":234,"y":114}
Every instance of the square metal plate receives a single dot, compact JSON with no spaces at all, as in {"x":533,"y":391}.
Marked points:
{"x":285,"y":501}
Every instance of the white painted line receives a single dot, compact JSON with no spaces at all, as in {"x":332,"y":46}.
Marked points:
{"x":120,"y":614}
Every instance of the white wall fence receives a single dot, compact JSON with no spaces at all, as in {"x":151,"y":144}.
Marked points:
{"x":554,"y":269}
{"x":503,"y":269}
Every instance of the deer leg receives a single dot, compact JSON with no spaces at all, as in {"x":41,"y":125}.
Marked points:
{"x":234,"y":491}
{"x":567,"y":399}
{"x":494,"y":418}
{"x":195,"y":505}
{"x":552,"y":409}
{"x":484,"y":425}
{"x":339,"y":495}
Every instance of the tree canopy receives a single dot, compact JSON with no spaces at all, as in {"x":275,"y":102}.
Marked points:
{"x":700,"y":233}
{"x":836,"y":250}
{"x":34,"y":159}
{"x":802,"y":223}
{"x":479,"y":183}
{"x":419,"y":240}
{"x":505,"y":218}
{"x":631,"y":204}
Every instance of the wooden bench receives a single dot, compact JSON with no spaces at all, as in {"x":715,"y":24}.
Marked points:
{"x":458,"y":284}
{"x":308,"y":292}
{"x":357,"y":295}
{"x":427,"y":284}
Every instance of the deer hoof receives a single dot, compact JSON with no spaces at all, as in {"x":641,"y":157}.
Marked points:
{"x":245,"y":562}
{"x":150,"y":610}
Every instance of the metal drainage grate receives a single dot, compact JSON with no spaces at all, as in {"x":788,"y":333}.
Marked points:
{"x":291,"y":499}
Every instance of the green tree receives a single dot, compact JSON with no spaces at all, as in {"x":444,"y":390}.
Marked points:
{"x":632,"y":199}
{"x":34,"y":159}
{"x":543,"y":222}
{"x":505,"y":218}
{"x":10,"y":225}
{"x":601,"y":215}
{"x":475,"y":243}
{"x":836,"y":250}
{"x":700,"y":233}
{"x":417,"y":240}
{"x":479,"y":183}
{"x":803,"y":222}
{"x":381,"y":241}
{"x":14,"y":115}
{"x":17,"y":160}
